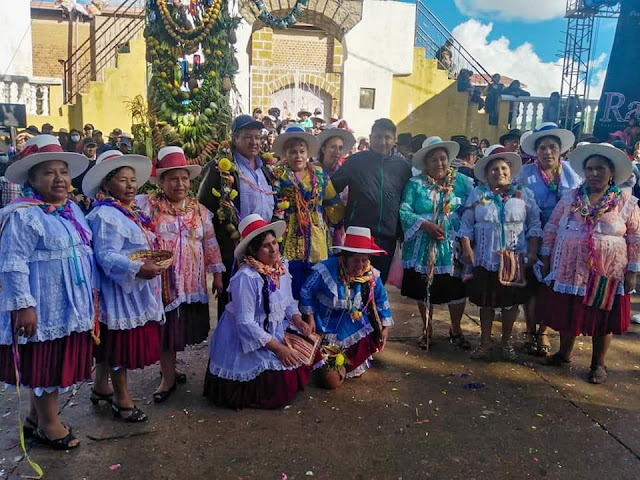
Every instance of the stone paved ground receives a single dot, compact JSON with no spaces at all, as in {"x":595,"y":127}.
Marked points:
{"x":409,"y":417}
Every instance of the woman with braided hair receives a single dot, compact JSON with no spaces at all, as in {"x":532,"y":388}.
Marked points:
{"x":46,"y":299}
{"x":131,"y":307}
{"x":249,"y":364}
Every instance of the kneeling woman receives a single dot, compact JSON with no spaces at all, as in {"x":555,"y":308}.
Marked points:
{"x":249,"y":364}
{"x":130,"y":292}
{"x":185,"y":228}
{"x":345,"y":300}
{"x":46,"y":299}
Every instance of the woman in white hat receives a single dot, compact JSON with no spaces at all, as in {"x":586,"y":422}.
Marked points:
{"x":429,"y":218}
{"x":548,"y":177}
{"x":345,"y":300}
{"x":183,"y":227}
{"x":46,"y":299}
{"x":335,"y":145}
{"x":249,"y":364}
{"x":306,"y":201}
{"x":591,"y":255}
{"x":130,"y":290}
{"x":502,"y":221}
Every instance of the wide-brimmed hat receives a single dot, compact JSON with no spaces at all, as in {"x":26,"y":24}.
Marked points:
{"x":547,"y":129}
{"x":513,"y":133}
{"x":493,"y":152}
{"x":172,"y":158}
{"x":296,"y":131}
{"x":359,"y":240}
{"x":110,"y":161}
{"x":347,"y":138}
{"x":40,"y":149}
{"x":304,"y":112}
{"x":253,"y":225}
{"x":621,"y":163}
{"x":432,"y":143}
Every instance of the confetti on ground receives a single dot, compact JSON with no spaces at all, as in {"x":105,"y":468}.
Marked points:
{"x":6,"y":415}
{"x":284,"y":476}
{"x":309,"y":473}
{"x":474,"y":386}
{"x":539,"y":415}
{"x":394,"y":389}
{"x":115,"y":466}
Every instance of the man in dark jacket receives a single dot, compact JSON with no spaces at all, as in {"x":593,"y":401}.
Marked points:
{"x":376,"y":179}
{"x":252,"y":180}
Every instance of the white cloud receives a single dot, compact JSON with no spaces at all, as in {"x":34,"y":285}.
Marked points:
{"x":524,"y":10}
{"x":598,"y":74}
{"x":497,"y":56}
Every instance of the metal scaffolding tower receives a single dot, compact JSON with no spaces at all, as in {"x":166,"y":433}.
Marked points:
{"x":581,"y":16}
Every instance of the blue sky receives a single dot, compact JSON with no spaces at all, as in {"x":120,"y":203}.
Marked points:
{"x":503,"y":33}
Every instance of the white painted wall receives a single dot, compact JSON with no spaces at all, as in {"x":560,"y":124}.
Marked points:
{"x":377,"y":48}
{"x":15,"y":23}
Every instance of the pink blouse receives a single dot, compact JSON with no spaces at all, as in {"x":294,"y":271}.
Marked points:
{"x":616,"y":238}
{"x":192,"y":239}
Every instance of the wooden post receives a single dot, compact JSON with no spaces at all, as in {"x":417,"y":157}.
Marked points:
{"x":92,"y":46}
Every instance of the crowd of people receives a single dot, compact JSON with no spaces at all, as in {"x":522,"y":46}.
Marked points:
{"x":299,"y":230}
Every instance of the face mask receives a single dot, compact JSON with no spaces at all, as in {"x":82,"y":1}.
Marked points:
{"x":75,"y":138}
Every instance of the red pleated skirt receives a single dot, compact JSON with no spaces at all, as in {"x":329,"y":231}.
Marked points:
{"x":186,"y":325}
{"x":54,"y":363}
{"x":131,"y":349}
{"x":359,"y":352}
{"x":567,"y":314}
{"x":271,"y":389}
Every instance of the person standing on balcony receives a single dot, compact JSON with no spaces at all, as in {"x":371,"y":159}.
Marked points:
{"x":376,"y":179}
{"x":252,"y":179}
{"x":445,"y":56}
{"x":548,"y":178}
{"x":492,"y":100}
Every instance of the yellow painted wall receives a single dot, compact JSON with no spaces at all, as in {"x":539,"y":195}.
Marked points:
{"x":428,"y":102}
{"x":104,"y":105}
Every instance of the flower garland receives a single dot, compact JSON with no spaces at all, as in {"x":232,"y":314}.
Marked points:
{"x":272,"y":274}
{"x":184,"y":35}
{"x":445,"y":189}
{"x":552,"y":184}
{"x":280,"y":22}
{"x":592,"y":214}
{"x":346,"y":279}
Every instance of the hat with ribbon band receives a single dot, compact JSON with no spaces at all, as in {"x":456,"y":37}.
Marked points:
{"x":112,"y":160}
{"x":253,"y":225}
{"x":359,"y":240}
{"x":173,"y":158}
{"x":40,"y":149}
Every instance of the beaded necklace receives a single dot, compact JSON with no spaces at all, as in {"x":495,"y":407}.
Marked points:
{"x":553,"y":184}
{"x":271,"y":274}
{"x":592,"y":214}
{"x":132,"y":212}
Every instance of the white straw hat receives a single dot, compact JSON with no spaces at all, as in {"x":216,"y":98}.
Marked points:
{"x":547,"y":129}
{"x":359,"y":240}
{"x":40,"y":149}
{"x":172,"y":158}
{"x":432,"y":143}
{"x":110,"y":161}
{"x":493,"y":152}
{"x":347,"y":138}
{"x":621,"y":162}
{"x":296,"y":131}
{"x":253,"y":225}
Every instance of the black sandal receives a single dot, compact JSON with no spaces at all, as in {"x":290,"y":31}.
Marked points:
{"x":97,"y":397}
{"x":556,"y":360}
{"x":59,"y":443}
{"x":542,"y":350}
{"x":159,"y":397}
{"x":181,"y":378}
{"x":598,"y":375}
{"x":136,"y":415}
{"x":459,"y":341}
{"x":29,"y":428}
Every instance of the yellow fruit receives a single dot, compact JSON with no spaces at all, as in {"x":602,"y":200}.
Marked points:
{"x":195,"y":91}
{"x":218,"y":53}
{"x":185,"y":95}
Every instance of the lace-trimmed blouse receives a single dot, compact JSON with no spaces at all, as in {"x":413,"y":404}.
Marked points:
{"x":617,"y":245}
{"x":126,"y":301}
{"x":417,"y":206}
{"x":481,"y":224}
{"x":238,"y":345}
{"x":39,"y":269}
{"x":192,"y":240}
